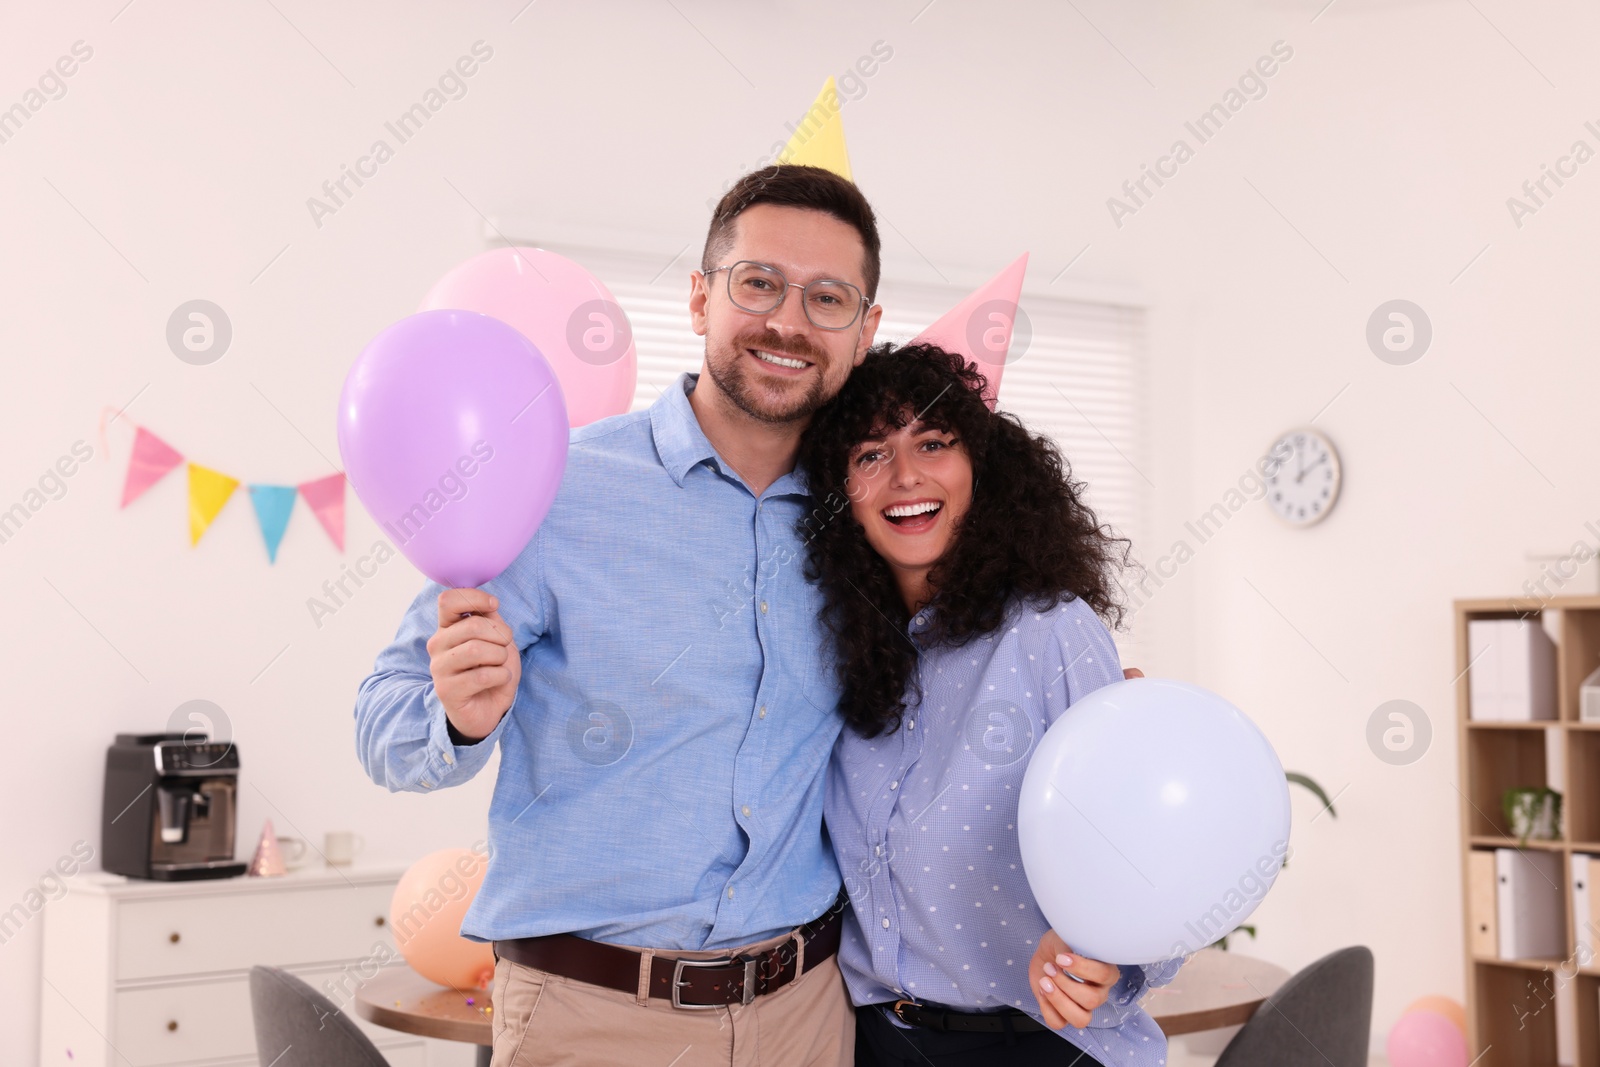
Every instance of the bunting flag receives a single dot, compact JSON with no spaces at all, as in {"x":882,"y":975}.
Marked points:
{"x":152,"y":459}
{"x":819,"y":139}
{"x":208,"y":491}
{"x":273,"y":504}
{"x":980,"y":327}
{"x":325,"y":497}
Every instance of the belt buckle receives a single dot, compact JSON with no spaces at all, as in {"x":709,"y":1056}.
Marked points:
{"x":748,"y":993}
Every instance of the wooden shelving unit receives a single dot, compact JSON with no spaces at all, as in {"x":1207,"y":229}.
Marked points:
{"x":1511,"y":1013}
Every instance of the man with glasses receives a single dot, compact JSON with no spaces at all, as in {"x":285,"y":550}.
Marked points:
{"x":654,"y":673}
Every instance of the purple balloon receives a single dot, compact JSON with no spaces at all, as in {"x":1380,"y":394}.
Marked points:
{"x":454,"y":431}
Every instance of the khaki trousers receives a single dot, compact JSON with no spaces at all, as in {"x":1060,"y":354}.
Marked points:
{"x":548,"y":1020}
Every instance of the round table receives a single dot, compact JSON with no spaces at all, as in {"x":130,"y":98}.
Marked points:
{"x":1214,"y":989}
{"x":402,"y":999}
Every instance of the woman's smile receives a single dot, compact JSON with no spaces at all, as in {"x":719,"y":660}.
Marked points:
{"x":914,"y":516}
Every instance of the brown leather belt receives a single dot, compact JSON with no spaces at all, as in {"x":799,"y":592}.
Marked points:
{"x":690,"y":984}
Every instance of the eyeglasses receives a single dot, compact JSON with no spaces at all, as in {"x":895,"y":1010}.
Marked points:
{"x":829,"y":304}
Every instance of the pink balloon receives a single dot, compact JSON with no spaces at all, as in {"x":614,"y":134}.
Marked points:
{"x":1425,"y":1038}
{"x":425,"y":914}
{"x":454,"y":436}
{"x":569,"y":315}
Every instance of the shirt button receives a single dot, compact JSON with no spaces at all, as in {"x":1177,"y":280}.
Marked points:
{"x":427,"y":784}
{"x":746,"y":810}
{"x":894,"y":785}
{"x":911,"y":724}
{"x":763,"y":607}
{"x":763,"y":714}
{"x":879,"y":850}
{"x":448,"y":758}
{"x":886,"y":924}
{"x":919,"y":620}
{"x":730,"y":892}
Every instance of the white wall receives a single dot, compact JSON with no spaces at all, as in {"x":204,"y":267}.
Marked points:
{"x":178,"y":164}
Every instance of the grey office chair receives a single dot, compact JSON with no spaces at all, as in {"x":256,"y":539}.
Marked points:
{"x":296,"y":1026}
{"x":1321,"y":1017}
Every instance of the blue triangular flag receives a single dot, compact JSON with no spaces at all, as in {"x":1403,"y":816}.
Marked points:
{"x":273,"y":504}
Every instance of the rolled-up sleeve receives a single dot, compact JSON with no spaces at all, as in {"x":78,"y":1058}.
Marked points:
{"x":402,"y":732}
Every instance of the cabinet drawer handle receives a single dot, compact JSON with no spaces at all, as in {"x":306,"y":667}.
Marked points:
{"x":172,"y":1024}
{"x":173,"y":937}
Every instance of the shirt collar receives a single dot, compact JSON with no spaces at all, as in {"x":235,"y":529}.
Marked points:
{"x":682,"y":444}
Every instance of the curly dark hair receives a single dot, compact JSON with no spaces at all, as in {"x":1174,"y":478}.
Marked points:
{"x":1027,"y":532}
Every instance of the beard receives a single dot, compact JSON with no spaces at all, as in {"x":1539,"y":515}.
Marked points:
{"x":770,"y":400}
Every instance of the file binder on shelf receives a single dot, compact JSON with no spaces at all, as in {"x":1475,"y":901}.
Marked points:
{"x":1529,"y":911}
{"x":1512,"y":677}
{"x":1585,"y":909}
{"x":1480,"y":904}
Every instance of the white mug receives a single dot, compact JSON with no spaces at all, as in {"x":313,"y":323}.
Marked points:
{"x":293,"y":850}
{"x":339,"y":847}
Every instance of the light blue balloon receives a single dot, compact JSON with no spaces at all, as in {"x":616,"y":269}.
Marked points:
{"x":1153,"y":818}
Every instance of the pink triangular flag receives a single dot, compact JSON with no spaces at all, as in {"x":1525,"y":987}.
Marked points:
{"x":152,"y":458}
{"x":268,"y":860}
{"x":325,"y":497}
{"x":980,"y":327}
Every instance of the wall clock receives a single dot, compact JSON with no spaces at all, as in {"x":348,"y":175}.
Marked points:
{"x":1305,"y":485}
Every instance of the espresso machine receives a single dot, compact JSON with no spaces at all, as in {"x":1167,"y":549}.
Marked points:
{"x":170,"y":807}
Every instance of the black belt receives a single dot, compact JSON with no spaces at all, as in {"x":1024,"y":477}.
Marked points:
{"x":933,"y":1017}
{"x":686,"y":983}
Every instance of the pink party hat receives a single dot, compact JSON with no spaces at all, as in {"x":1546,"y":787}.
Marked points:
{"x":981,"y":326}
{"x":268,"y":860}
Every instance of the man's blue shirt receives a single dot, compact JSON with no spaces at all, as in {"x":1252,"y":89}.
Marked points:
{"x":662,"y":766}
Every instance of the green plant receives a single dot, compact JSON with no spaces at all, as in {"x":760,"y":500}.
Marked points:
{"x":1524,"y":805}
{"x":1295,"y":778}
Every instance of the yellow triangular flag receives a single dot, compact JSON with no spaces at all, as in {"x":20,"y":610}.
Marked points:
{"x":819,"y":139}
{"x":208,"y":491}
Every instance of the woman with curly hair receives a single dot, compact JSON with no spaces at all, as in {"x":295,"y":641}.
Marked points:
{"x":963,"y":581}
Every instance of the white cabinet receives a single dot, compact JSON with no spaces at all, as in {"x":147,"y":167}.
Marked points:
{"x":145,"y":974}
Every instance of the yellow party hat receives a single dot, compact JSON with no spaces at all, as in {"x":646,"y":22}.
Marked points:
{"x":819,"y":139}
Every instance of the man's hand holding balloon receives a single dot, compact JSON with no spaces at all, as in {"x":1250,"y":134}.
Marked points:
{"x":474,"y":660}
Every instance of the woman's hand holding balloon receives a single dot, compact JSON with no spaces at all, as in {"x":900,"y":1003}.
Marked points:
{"x":1063,"y":1001}
{"x":474,"y":660}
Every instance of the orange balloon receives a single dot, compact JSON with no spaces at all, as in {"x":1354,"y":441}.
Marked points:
{"x":1450,"y":1009}
{"x":425,"y":914}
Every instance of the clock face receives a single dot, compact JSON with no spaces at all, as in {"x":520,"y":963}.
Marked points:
{"x":1304,"y":487}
